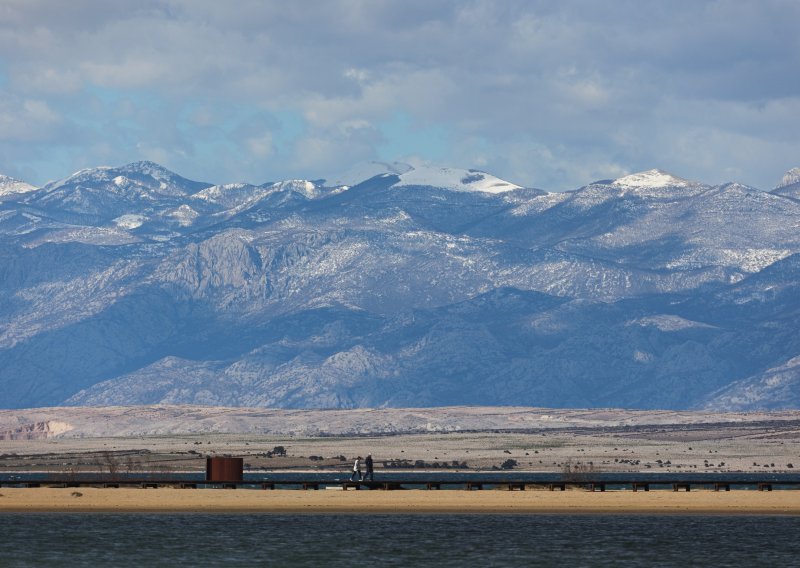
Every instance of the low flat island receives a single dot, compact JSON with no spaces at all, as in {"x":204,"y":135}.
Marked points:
{"x":169,"y":500}
{"x":118,"y":443}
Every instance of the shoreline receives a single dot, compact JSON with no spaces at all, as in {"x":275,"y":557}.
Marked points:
{"x":414,"y":501}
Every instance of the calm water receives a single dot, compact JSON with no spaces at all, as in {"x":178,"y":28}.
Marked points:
{"x":396,"y":540}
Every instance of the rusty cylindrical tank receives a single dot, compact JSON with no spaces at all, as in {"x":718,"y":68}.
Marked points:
{"x":224,"y":469}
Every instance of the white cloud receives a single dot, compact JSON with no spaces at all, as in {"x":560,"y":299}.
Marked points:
{"x":325,"y":150}
{"x":261,"y":146}
{"x":27,"y":120}
{"x":358,"y":75}
{"x":548,"y":94}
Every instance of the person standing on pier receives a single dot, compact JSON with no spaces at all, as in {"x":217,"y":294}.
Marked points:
{"x":370,"y":472}
{"x":356,"y":470}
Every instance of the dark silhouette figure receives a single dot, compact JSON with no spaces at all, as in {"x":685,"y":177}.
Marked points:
{"x":370,"y":471}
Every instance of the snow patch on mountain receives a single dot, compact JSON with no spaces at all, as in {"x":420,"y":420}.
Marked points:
{"x":752,"y":259}
{"x":231,"y":195}
{"x":13,"y":187}
{"x":87,"y":235}
{"x":184,"y":215}
{"x":667,"y":323}
{"x":130,"y":221}
{"x":789,"y":186}
{"x":747,"y":260}
{"x":789,"y":178}
{"x":366,"y":170}
{"x":454,"y":179}
{"x":303,"y":187}
{"x":651,"y":179}
{"x":539,"y":204}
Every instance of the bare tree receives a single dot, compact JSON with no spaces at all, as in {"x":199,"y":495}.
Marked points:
{"x":576,"y":471}
{"x":111,"y":463}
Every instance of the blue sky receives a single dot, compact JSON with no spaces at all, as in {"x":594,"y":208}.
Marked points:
{"x":544,"y":94}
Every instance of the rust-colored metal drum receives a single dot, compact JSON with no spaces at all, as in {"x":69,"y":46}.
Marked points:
{"x":224,"y":469}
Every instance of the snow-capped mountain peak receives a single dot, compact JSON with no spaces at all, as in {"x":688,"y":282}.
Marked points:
{"x":455,"y":179}
{"x":147,"y":167}
{"x":229,"y":194}
{"x":651,"y":178}
{"x":366,"y":170}
{"x":791,"y":177}
{"x":11,"y":186}
{"x":149,"y":175}
{"x":86,"y":174}
{"x":301,"y":186}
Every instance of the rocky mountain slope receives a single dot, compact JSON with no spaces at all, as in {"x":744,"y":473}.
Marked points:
{"x":411,"y":287}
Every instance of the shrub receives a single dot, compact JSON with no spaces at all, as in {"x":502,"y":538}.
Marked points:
{"x":508,"y":464}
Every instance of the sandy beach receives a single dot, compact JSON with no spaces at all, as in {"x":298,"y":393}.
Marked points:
{"x":167,"y":500}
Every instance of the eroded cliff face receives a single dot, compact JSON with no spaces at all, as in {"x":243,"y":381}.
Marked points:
{"x":36,"y":431}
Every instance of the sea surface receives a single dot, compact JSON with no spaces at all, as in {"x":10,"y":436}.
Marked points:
{"x":64,"y":540}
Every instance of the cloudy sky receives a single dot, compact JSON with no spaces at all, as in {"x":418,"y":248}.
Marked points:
{"x":542,"y":93}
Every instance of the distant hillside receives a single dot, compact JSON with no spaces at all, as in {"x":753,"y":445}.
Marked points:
{"x":95,"y":422}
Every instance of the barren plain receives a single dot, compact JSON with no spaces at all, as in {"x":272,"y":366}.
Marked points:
{"x":179,"y":438}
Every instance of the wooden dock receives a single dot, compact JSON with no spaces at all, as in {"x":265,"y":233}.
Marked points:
{"x":395,"y":484}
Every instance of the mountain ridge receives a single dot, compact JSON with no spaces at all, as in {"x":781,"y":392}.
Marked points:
{"x":134,"y":285}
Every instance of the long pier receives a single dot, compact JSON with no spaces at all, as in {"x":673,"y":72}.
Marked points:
{"x":478,"y":483}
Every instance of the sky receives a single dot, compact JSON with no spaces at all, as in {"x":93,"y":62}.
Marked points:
{"x":544,"y":94}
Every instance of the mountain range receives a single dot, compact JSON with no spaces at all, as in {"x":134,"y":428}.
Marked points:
{"x":392,"y":285}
